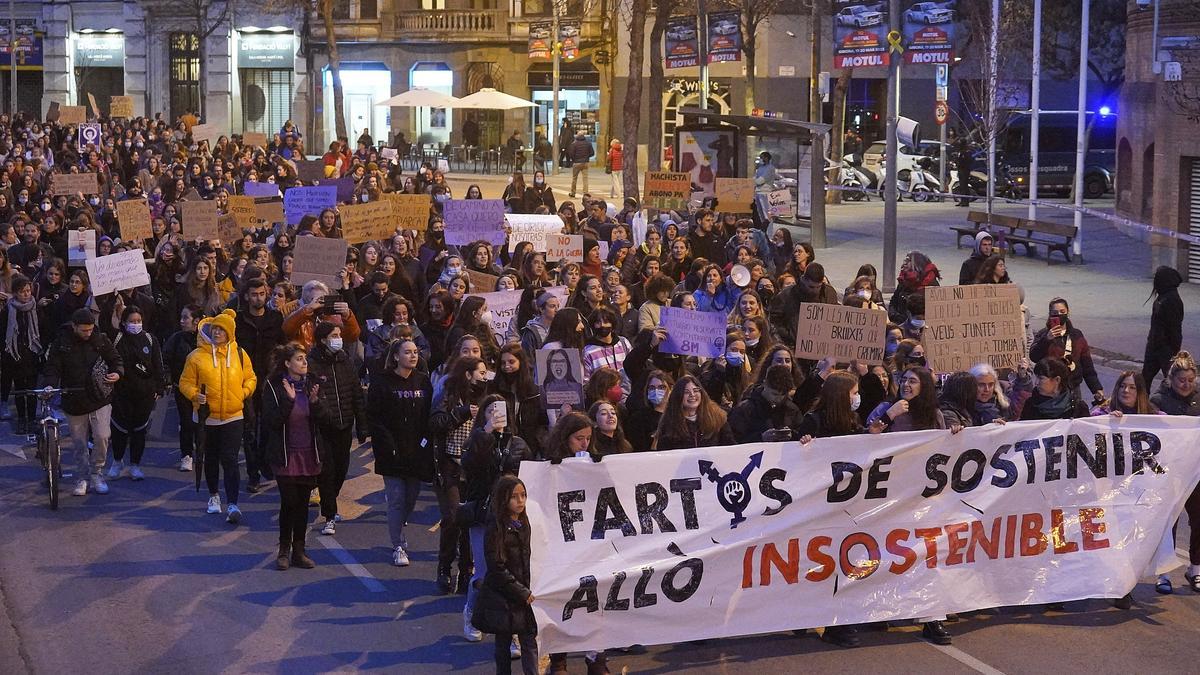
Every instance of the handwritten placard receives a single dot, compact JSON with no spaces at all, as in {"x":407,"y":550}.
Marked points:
{"x":469,"y":220}
{"x":481,"y":281}
{"x":409,"y":212}
{"x":667,"y":189}
{"x":243,"y":211}
{"x":390,"y":154}
{"x":564,"y":247}
{"x":72,"y":183}
{"x":72,"y":114}
{"x":133,"y":215}
{"x":253,"y":188}
{"x":320,"y":259}
{"x":533,"y":228}
{"x":692,"y":333}
{"x":206,"y":132}
{"x":303,"y":201}
{"x":228,"y":229}
{"x":843,"y":333}
{"x":95,"y":106}
{"x":121,"y":106}
{"x":254,"y":139}
{"x":735,"y":195}
{"x":117,"y":272}
{"x":966,"y":325}
{"x":81,"y":246}
{"x":343,"y":186}
{"x":504,"y":309}
{"x":200,"y":219}
{"x":364,"y":222}
{"x":780,"y":205}
{"x":269,"y":213}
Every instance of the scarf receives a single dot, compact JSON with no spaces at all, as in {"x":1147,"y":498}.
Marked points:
{"x":1053,"y":408}
{"x":24,"y":313}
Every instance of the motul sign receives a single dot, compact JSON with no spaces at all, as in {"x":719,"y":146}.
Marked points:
{"x":927,"y":57}
{"x":860,"y":61}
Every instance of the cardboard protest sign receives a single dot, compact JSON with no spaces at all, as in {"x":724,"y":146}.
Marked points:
{"x":409,"y":212}
{"x":228,"y":229}
{"x":692,"y":333}
{"x":965,"y":325}
{"x":95,"y":106}
{"x":504,"y":309}
{"x":116,"y":272}
{"x":559,"y":373}
{"x":206,"y":132}
{"x":482,"y":282}
{"x":568,"y":247}
{"x":779,"y":204}
{"x":469,"y":220}
{"x":269,"y":213}
{"x":667,"y":189}
{"x":133,"y":215}
{"x":121,"y":106}
{"x":303,"y":201}
{"x":390,"y":154}
{"x":72,"y":114}
{"x":253,"y":188}
{"x":72,"y":183}
{"x":310,"y":170}
{"x":254,"y":139}
{"x":843,"y":333}
{"x":735,"y":195}
{"x":319,"y":258}
{"x":364,"y":222}
{"x":81,"y":246}
{"x":53,"y":112}
{"x":243,"y":211}
{"x":200,"y":219}
{"x":532,"y":228}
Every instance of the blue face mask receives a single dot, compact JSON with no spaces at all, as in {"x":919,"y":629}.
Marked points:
{"x":735,"y":358}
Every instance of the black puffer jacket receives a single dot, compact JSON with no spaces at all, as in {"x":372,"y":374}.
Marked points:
{"x":69,"y":365}
{"x":340,"y":388}
{"x":1173,"y":404}
{"x":145,"y":374}
{"x":486,"y":456}
{"x":398,"y":408}
{"x":756,"y":415}
{"x":506,"y":549}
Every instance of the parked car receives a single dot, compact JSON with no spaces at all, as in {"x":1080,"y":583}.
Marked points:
{"x":928,"y":13}
{"x":859,"y":16}
{"x":873,"y":157}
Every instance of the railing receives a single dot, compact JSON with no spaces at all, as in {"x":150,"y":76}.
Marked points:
{"x":453,"y":24}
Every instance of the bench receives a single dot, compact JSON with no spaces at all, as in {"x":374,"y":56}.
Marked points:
{"x":1020,"y":232}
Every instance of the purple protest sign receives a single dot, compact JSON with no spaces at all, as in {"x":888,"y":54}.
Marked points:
{"x":256,"y":189}
{"x":692,"y":333}
{"x":303,"y":201}
{"x":345,"y":187}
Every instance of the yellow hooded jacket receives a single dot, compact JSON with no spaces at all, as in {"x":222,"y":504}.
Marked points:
{"x":225,"y":369}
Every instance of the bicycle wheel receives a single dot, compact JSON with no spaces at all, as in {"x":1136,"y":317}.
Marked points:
{"x":53,"y":464}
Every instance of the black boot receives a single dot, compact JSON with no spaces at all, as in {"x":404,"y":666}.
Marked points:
{"x":597,"y":667}
{"x":299,"y":559}
{"x":443,"y":580}
{"x":842,"y":636}
{"x":282,"y":561}
{"x":936,"y":633}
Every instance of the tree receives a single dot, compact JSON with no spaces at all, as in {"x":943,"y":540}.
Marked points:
{"x":755,"y":14}
{"x":1060,"y":41}
{"x":631,"y":111}
{"x":837,"y":136}
{"x":324,"y":8}
{"x":658,"y":78}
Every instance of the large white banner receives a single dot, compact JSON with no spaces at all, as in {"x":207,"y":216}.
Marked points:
{"x":668,"y":547}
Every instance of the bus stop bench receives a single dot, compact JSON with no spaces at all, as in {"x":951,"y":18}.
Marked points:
{"x":1020,"y":232}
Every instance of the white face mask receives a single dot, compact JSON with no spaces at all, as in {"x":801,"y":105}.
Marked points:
{"x":753,"y":342}
{"x":335,"y":344}
{"x":855,"y":401}
{"x":486,"y":316}
{"x":133,"y":328}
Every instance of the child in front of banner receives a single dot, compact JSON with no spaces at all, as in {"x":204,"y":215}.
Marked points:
{"x":506,"y":584}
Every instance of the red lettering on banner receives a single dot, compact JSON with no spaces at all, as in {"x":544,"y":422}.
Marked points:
{"x":1058,"y":534}
{"x":748,"y":567}
{"x":1010,"y":537}
{"x":790,"y":568}
{"x":866,"y":569}
{"x":895,"y":545}
{"x":955,"y":542}
{"x":990,"y":546}
{"x":1033,"y":542}
{"x":824,"y":561}
{"x":930,"y":535}
{"x":1089,"y":526}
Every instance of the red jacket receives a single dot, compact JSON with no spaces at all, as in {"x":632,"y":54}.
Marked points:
{"x":616,"y":158}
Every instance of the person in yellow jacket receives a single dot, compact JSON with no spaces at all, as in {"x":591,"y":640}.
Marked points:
{"x":225,"y":371}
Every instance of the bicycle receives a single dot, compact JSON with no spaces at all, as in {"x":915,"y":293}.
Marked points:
{"x":49,"y":449}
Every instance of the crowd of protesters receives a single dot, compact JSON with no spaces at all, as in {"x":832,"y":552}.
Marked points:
{"x":401,"y":349}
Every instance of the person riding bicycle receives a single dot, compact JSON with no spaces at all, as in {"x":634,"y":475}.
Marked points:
{"x":84,"y":359}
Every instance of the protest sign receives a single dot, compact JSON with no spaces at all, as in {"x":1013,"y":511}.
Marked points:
{"x":667,"y":190}
{"x":116,"y":272}
{"x":71,"y":183}
{"x":965,"y":325}
{"x":95,"y":106}
{"x":133,"y":215}
{"x":72,"y":114}
{"x":254,"y":139}
{"x":253,"y":188}
{"x":735,"y":195}
{"x":343,"y":186}
{"x":269,"y":213}
{"x":559,"y":373}
{"x":504,"y":309}
{"x":532,"y":228}
{"x":308,"y":201}
{"x":89,"y":135}
{"x":482,"y":282}
{"x":228,"y":229}
{"x":909,"y":524}
{"x":779,"y":204}
{"x":243,"y":211}
{"x":568,"y":247}
{"x":206,"y":132}
{"x":310,"y":170}
{"x":319,"y":258}
{"x":121,"y":106}
{"x":692,"y":333}
{"x":53,"y":112}
{"x":843,"y":333}
{"x":469,"y":220}
{"x":409,"y":212}
{"x":81,"y":246}
{"x":200,"y":219}
{"x":364,"y":222}
{"x":390,"y":154}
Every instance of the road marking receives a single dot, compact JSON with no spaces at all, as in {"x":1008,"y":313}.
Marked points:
{"x":966,"y":659}
{"x":343,"y":556}
{"x":403,"y":608}
{"x":15,"y":451}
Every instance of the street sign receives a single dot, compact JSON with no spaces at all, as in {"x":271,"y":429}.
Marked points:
{"x":941,"y":112}
{"x":942,"y":93}
{"x":943,"y":75}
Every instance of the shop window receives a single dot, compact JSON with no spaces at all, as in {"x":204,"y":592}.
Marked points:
{"x":266,"y":99}
{"x":184,"y":49}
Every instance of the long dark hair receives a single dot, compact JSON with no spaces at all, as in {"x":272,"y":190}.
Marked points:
{"x":709,"y":416}
{"x":556,"y":443}
{"x":481,"y":416}
{"x":619,"y":440}
{"x":959,"y":392}
{"x":465,"y":317}
{"x":520,"y":383}
{"x":501,"y":494}
{"x":562,"y":328}
{"x":457,"y":388}
{"x":923,"y":409}
{"x":834,"y":404}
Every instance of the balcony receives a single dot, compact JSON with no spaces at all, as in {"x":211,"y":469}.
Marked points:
{"x":453,"y":25}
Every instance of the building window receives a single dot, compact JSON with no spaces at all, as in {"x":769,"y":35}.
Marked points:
{"x":368,"y":9}
{"x":341,"y":10}
{"x":185,"y":73}
{"x":433,"y":5}
{"x":266,"y":99}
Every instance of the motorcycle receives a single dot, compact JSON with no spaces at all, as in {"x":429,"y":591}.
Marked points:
{"x":854,"y":181}
{"x":977,"y":183}
{"x":919,"y":182}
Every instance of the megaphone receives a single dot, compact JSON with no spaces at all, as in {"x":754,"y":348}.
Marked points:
{"x":908,"y":132}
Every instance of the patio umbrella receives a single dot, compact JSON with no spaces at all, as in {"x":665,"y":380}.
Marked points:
{"x":490,"y":99}
{"x":420,"y":98}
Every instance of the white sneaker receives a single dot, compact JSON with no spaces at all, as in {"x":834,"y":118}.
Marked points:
{"x":329,"y":528}
{"x":214,"y":504}
{"x":185,"y":464}
{"x":135,"y":472}
{"x":99,"y":485}
{"x":400,"y":557}
{"x":514,"y":649}
{"x":80,"y":488}
{"x":234,"y":515}
{"x":117,"y":470}
{"x":470,"y":633}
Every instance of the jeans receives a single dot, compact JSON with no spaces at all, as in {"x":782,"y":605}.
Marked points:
{"x":576,"y":169}
{"x":401,"y":496}
{"x":529,"y":653}
{"x":334,"y":467}
{"x":221,"y":445}
{"x":475,"y":534}
{"x":187,"y":427}
{"x":293,"y":512}
{"x":90,"y":464}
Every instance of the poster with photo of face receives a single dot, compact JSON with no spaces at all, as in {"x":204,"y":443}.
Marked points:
{"x":559,"y":373}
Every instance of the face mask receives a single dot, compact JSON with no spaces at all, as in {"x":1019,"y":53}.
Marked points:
{"x":890,"y":348}
{"x":918,"y":360}
{"x":365,"y":199}
{"x":94,"y":202}
{"x":538,"y":181}
{"x":45,"y":207}
{"x":855,"y":401}
{"x":656,"y":396}
{"x":442,"y":198}
{"x":735,"y":359}
{"x":22,"y":200}
{"x":917,"y":323}
{"x":864,"y":294}
{"x":752,"y":342}
{"x":335,"y":344}
{"x":133,"y":328}
{"x":454,"y":271}
{"x":486,"y":317}
{"x":613,"y":394}
{"x":602,"y":331}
